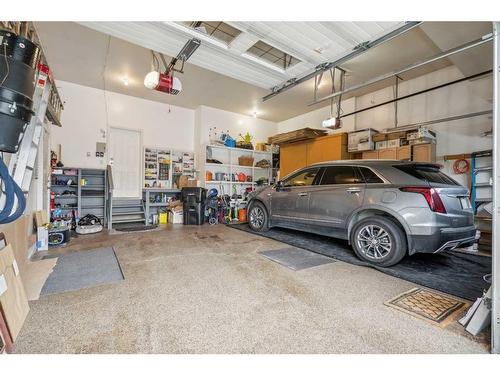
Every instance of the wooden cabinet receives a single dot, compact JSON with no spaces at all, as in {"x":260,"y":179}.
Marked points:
{"x":387,"y":154}
{"x":425,"y":152}
{"x":370,"y":154}
{"x":292,"y":156}
{"x":297,"y":155}
{"x":333,"y":147}
{"x":403,"y":153}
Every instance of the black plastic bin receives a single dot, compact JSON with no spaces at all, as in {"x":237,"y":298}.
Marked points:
{"x":193,"y":202}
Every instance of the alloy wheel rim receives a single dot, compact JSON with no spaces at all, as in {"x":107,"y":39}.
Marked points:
{"x":257,"y":217}
{"x":374,"y":242}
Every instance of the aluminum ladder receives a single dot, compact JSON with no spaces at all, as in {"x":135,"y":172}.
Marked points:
{"x":22,"y":164}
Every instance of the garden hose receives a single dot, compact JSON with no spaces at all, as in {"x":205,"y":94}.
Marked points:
{"x":12,"y":190}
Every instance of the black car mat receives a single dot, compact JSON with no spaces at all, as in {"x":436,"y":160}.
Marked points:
{"x":455,"y":273}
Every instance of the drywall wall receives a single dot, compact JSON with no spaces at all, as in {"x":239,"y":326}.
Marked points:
{"x":235,"y":123}
{"x":455,"y":137}
{"x":314,"y":118}
{"x":89,"y":112}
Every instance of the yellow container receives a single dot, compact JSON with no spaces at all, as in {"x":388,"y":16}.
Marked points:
{"x":163,"y":218}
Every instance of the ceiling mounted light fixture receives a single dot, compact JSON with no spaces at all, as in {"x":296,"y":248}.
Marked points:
{"x":125,"y":81}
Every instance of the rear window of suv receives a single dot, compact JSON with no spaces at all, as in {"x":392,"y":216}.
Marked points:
{"x":427,"y":173}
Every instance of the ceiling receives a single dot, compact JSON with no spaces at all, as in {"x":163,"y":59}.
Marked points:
{"x":103,"y":54}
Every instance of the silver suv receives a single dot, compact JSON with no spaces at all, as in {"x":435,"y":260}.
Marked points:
{"x":386,"y":209}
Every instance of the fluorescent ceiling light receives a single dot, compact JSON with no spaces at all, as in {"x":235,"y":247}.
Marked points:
{"x":197,"y":34}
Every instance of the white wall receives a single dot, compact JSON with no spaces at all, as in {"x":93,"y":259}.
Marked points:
{"x":314,"y":118}
{"x":454,"y":137}
{"x":84,"y":123}
{"x":235,"y":123}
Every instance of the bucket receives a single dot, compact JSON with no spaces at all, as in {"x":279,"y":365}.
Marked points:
{"x":242,"y":215}
{"x":163,"y":218}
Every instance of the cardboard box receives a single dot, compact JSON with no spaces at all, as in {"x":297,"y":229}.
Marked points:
{"x":42,"y":238}
{"x":420,"y":133}
{"x":396,"y":135}
{"x":379,"y":137}
{"x":420,"y":141}
{"x":185,"y":181}
{"x":361,"y":140}
{"x":175,"y":217}
{"x":380,"y":145}
{"x":393,"y":143}
{"x":13,"y":298}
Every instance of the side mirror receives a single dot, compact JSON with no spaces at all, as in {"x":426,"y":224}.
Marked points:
{"x":279,"y":185}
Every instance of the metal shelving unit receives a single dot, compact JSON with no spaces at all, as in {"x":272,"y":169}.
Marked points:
{"x":228,"y":156}
{"x":481,"y":178}
{"x":90,"y":192}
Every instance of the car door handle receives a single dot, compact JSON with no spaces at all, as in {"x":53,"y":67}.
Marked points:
{"x":353,"y":190}
{"x":303,"y":194}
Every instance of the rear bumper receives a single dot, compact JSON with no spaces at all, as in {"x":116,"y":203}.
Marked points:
{"x":443,"y":240}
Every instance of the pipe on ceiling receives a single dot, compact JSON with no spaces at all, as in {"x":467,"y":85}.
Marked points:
{"x":358,"y":50}
{"x":439,"y":56}
{"x":437,"y":121}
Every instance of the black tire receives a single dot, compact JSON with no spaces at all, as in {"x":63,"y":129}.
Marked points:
{"x":385,"y":247}
{"x":258,"y":210}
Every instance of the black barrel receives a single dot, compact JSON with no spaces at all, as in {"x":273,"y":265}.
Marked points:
{"x":19,"y":58}
{"x":19,"y":48}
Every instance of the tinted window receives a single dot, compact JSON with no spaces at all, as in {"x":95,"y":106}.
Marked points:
{"x":304,"y":178}
{"x":427,"y":173}
{"x":370,"y":176}
{"x":340,"y":175}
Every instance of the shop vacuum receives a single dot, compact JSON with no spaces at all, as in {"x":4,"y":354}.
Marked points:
{"x":19,"y":58}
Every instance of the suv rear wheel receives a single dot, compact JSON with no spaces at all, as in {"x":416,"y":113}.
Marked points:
{"x":379,"y":240}
{"x":258,"y":218}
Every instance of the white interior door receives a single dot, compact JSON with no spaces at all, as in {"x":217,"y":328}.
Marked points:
{"x":125,"y":158}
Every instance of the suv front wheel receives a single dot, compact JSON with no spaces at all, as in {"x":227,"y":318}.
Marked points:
{"x":257,"y":217}
{"x":379,"y":240}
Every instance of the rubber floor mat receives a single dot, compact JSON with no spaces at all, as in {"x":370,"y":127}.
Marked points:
{"x":453,"y":273}
{"x":429,"y":305}
{"x":83,"y":269}
{"x":134,"y":228}
{"x":295,"y":258}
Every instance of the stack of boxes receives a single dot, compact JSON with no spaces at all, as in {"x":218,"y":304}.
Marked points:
{"x":415,"y":145}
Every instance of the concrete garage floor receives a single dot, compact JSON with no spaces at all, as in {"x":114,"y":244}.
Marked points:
{"x":206,"y":290}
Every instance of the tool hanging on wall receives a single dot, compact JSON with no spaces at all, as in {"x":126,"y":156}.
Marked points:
{"x":165,"y":81}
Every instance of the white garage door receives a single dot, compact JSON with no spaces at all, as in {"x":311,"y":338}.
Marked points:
{"x":125,"y":157}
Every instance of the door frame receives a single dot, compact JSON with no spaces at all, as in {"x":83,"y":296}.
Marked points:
{"x":141,"y":149}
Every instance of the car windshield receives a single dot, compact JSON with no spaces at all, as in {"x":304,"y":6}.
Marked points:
{"x":428,"y":173}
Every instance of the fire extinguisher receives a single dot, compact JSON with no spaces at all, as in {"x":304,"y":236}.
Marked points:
{"x":52,"y":200}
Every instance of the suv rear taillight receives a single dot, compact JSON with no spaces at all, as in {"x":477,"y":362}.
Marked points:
{"x":431,"y":196}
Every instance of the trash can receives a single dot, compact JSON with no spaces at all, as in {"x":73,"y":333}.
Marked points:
{"x":193,"y":202}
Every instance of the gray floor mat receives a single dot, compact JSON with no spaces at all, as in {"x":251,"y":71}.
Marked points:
{"x":295,"y":258}
{"x":83,"y":269}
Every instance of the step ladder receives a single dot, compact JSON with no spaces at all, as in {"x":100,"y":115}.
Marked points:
{"x":22,"y":164}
